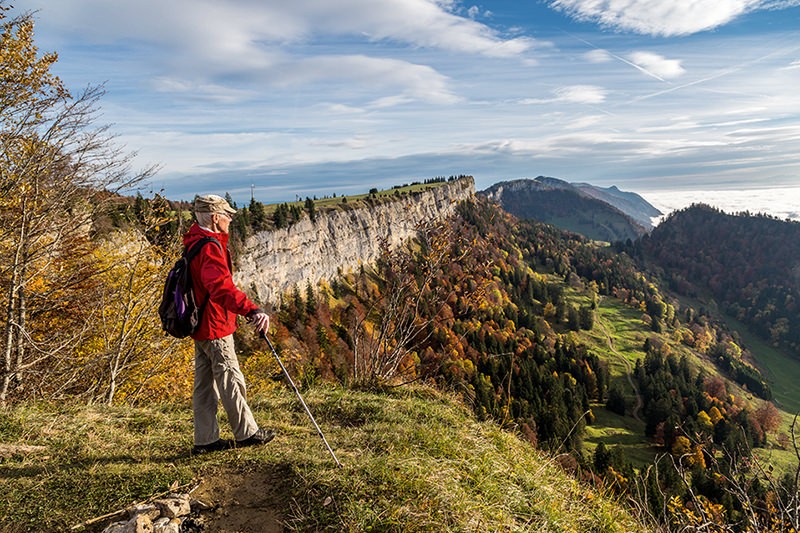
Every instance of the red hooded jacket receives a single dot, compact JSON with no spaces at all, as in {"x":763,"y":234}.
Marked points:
{"x":211,"y":275}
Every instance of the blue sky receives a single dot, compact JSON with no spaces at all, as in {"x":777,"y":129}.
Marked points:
{"x":312,"y":97}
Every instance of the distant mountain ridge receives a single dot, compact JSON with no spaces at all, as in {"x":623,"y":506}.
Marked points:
{"x":604,"y":214}
{"x":629,"y":203}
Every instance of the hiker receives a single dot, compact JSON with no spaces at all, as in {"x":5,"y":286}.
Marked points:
{"x":216,"y":368}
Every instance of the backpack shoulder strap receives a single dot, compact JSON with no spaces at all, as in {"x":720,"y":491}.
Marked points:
{"x":190,"y":253}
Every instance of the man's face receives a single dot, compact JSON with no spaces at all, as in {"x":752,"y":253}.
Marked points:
{"x":223,"y":221}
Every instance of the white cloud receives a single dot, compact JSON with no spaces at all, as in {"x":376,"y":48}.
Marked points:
{"x":354,"y":143}
{"x":241,"y":32}
{"x":664,"y":17}
{"x":416,"y":81}
{"x":573,"y":94}
{"x":203,"y":91}
{"x":584,"y":122}
{"x":341,"y":109}
{"x":389,"y":101}
{"x":598,"y":56}
{"x":657,"y":66}
{"x":567,"y":145}
{"x":781,"y":202}
{"x":428,"y":23}
{"x":195,"y":46}
{"x":581,"y":94}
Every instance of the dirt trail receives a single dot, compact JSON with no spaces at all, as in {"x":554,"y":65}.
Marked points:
{"x":247,"y":501}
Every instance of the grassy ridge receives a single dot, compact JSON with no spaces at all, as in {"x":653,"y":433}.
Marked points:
{"x":414,"y":460}
{"x":355,"y":201}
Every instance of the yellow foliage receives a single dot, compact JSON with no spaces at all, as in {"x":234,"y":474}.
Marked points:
{"x":681,"y":446}
{"x":169,"y":379}
{"x":699,"y":512}
{"x":715,"y":415}
{"x":259,"y":369}
{"x":698,"y":458}
{"x":23,"y":70}
{"x":49,"y":174}
{"x":127,"y":353}
{"x":704,"y":421}
{"x":617,"y":478}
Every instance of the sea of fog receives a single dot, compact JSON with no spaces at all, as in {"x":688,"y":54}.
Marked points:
{"x":783,"y":203}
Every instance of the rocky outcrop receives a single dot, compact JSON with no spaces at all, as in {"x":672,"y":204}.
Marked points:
{"x":340,"y":239}
{"x":170,"y":514}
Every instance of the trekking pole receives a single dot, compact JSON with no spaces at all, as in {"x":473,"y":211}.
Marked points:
{"x":308,"y":412}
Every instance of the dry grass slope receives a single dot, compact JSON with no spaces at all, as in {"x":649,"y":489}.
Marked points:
{"x":414,"y":460}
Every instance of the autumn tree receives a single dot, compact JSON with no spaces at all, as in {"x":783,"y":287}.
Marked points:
{"x":57,"y":170}
{"x":768,"y":417}
{"x":400,"y":317}
{"x":126,"y":356}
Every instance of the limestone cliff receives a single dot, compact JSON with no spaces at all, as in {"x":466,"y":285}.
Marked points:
{"x":307,"y":251}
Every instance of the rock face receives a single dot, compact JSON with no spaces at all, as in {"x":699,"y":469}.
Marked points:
{"x":275,"y":261}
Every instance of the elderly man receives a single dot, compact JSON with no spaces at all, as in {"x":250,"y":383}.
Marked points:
{"x":216,"y":368}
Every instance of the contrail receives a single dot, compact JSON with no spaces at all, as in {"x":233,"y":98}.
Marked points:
{"x":719,"y":74}
{"x":673,"y":88}
{"x":620,"y":58}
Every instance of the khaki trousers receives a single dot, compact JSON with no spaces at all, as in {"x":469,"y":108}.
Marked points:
{"x":217,"y":376}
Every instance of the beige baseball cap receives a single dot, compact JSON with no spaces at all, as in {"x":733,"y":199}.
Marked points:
{"x":211,"y":203}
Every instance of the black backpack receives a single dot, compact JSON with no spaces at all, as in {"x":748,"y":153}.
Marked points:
{"x":180,"y":315}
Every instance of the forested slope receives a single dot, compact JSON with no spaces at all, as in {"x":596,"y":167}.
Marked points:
{"x":747,"y":263}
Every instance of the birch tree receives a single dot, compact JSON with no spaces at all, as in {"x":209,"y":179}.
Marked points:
{"x":57,"y":169}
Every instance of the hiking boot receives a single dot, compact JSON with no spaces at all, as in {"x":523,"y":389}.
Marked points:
{"x":216,"y":446}
{"x":262,"y":436}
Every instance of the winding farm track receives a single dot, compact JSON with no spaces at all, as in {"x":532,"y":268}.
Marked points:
{"x":628,"y":374}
